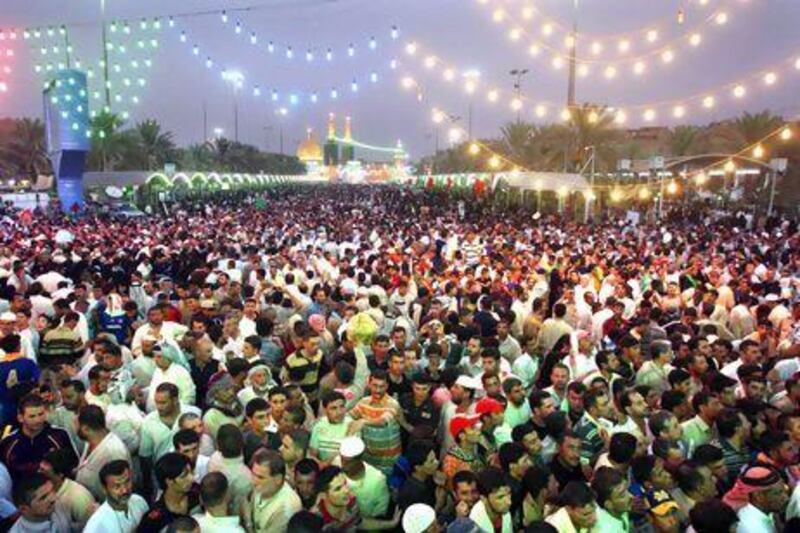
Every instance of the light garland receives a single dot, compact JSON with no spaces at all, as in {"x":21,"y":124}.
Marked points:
{"x":308,"y":54}
{"x":498,"y":162}
{"x":7,"y":56}
{"x":660,"y":53}
{"x":50,"y":46}
{"x":290,"y":98}
{"x":676,"y":109}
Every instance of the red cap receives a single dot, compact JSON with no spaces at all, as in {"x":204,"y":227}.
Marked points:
{"x":486,"y":406}
{"x":461,"y":422}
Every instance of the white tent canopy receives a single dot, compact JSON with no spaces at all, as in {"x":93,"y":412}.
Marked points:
{"x":543,"y":181}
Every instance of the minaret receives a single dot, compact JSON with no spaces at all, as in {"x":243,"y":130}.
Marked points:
{"x":331,"y":151}
{"x":331,"y":126}
{"x":348,"y":151}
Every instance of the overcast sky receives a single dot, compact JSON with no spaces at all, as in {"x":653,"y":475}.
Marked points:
{"x":759,"y":34}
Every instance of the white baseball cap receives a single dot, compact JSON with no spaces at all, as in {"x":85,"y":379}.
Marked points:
{"x":418,"y":518}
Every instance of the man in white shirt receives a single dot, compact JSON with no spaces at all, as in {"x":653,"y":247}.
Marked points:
{"x":102,"y":447}
{"x":122,"y":511}
{"x":216,"y":501}
{"x":35,"y":497}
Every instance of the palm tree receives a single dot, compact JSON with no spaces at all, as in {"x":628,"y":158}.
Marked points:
{"x":683,"y":140}
{"x":109,"y":145}
{"x":748,"y":129}
{"x":592,"y":126}
{"x":26,"y":152}
{"x":156,"y":147}
{"x":516,"y":141}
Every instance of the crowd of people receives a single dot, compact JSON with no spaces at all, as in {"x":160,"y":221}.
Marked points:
{"x":341,"y":358}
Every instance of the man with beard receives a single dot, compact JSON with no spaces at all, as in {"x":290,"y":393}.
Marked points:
{"x":518,"y":411}
{"x":492,"y":512}
{"x":65,"y":416}
{"x":381,"y":431}
{"x":122,"y":511}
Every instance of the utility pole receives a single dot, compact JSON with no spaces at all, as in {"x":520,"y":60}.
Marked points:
{"x":67,"y":47}
{"x":105,"y":54}
{"x":205,"y":122}
{"x":518,"y":74}
{"x":573,"y":57}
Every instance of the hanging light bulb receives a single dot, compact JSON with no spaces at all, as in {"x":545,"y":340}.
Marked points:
{"x":474,"y":149}
{"x":395,"y":33}
{"x":729,"y":167}
{"x":373,"y":44}
{"x":351,"y":50}
{"x":224,"y":15}
{"x":681,"y":16}
{"x":770,"y":78}
{"x":494,"y":161}
{"x":289,"y":52}
{"x":701,"y":178}
{"x":354,"y":86}
{"x":652,"y":36}
{"x":309,"y":55}
{"x":708,"y":102}
{"x":758,"y":151}
{"x":739,"y":91}
{"x":695,"y":39}
{"x":183,"y":36}
{"x":373,"y":77}
{"x":270,"y":47}
{"x":786,"y":133}
{"x":253,"y":38}
{"x":334,"y":94}
{"x":516,"y":104}
{"x":678,"y":111}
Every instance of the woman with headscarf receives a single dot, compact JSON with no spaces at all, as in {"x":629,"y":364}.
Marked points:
{"x":171,"y":367}
{"x":560,"y":350}
{"x":257,"y":385}
{"x":222,"y":405}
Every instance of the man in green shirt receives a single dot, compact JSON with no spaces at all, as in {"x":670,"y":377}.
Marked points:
{"x":700,"y":429}
{"x":614,"y":501}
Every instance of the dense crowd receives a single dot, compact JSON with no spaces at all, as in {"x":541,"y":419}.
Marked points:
{"x":345,"y":358}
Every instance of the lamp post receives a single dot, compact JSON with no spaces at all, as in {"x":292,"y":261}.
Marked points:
{"x":281,"y":112}
{"x":590,"y":197}
{"x":236,"y":80}
{"x":471,"y":78}
{"x":518,"y":74}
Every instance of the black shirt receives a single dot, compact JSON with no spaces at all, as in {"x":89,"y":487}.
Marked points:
{"x":416,"y":491}
{"x":160,"y":517}
{"x":425,"y":414}
{"x":564,"y":474}
{"x":396,"y":390}
{"x":22,"y":454}
{"x":201,"y":377}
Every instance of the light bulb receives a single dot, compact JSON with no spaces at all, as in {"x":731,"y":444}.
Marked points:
{"x":474,"y":149}
{"x":739,"y":91}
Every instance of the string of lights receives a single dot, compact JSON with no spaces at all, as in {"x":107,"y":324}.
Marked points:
{"x":649,"y":35}
{"x":7,"y":57}
{"x":287,"y":99}
{"x":498,"y":162}
{"x":677,"y":109}
{"x":310,"y":53}
{"x":661,"y":54}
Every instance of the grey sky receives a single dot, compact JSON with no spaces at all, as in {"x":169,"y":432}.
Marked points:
{"x":759,"y":34}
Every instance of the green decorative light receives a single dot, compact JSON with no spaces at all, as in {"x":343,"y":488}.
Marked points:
{"x":72,"y":81}
{"x":50,"y":32}
{"x":37,"y":67}
{"x":121,"y":49}
{"x":67,"y":97}
{"x":157,"y":24}
{"x":26,"y":34}
{"x":82,"y":93}
{"x":113,"y":27}
{"x":154,"y":43}
{"x":43,"y":50}
{"x":61,"y":66}
{"x":127,"y":29}
{"x":117,"y":97}
{"x":141,"y":82}
{"x":127,"y":82}
{"x":143,"y":24}
{"x":148,"y":63}
{"x":126,"y":115}
{"x":79,"y":109}
{"x":135,"y":99}
{"x":78,"y":63}
{"x":58,"y":83}
{"x":37,"y":33}
{"x":135,"y":64}
{"x":140,"y":43}
{"x":88,"y":134}
{"x":75,"y":126}
{"x":64,"y":114}
{"x":62,"y":30}
{"x":96,"y":95}
{"x":102,"y":134}
{"x":54,"y":99}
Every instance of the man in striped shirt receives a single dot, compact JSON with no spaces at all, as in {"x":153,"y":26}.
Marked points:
{"x":331,"y":429}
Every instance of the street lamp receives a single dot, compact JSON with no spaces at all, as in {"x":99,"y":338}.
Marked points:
{"x":471,"y":78}
{"x":236,"y":80}
{"x":518,"y":74}
{"x":281,"y":112}
{"x":218,"y":133}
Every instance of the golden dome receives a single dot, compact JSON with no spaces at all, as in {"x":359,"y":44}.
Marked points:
{"x":309,"y":150}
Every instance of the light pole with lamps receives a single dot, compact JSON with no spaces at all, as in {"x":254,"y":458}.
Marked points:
{"x":471,"y":78}
{"x":518,"y":74}
{"x":236,"y":80}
